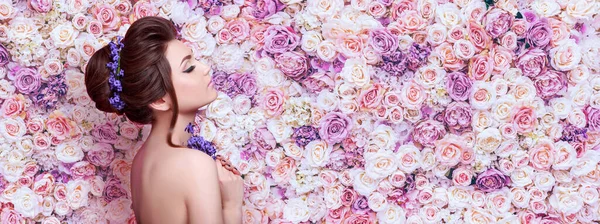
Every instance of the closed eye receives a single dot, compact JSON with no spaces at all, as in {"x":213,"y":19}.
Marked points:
{"x":190,"y":69}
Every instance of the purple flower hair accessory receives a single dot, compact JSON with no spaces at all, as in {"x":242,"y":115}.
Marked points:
{"x":116,"y":73}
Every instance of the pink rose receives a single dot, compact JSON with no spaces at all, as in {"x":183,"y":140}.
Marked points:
{"x":456,"y":33}
{"x":41,"y":141}
{"x":60,"y":127}
{"x":360,"y":219}
{"x":106,"y":133}
{"x":539,"y":34}
{"x":142,"y":9}
{"x":42,"y":6}
{"x":129,"y":130}
{"x":382,"y":41}
{"x":265,"y":8}
{"x":458,"y":115}
{"x":372,"y":97}
{"x":280,"y":39}
{"x":502,"y":58}
{"x":113,"y":190}
{"x":413,"y":95}
{"x":428,"y":132}
{"x":593,"y":118}
{"x":348,"y":196}
{"x":273,"y":102}
{"x":263,"y":138}
{"x":497,"y":22}
{"x":10,"y":216}
{"x":532,"y":62}
{"x":335,"y":127}
{"x":492,"y":180}
{"x":282,"y":171}
{"x":509,"y":40}
{"x":448,"y":150}
{"x":107,"y":15}
{"x":520,"y":27}
{"x":26,"y":80}
{"x":94,"y":28}
{"x":337,"y":215}
{"x":449,"y":59}
{"x":524,"y":119}
{"x":550,"y":83}
{"x":43,"y":184}
{"x":293,"y":64}
{"x":541,"y":156}
{"x":123,"y":7}
{"x":481,"y":67}
{"x":458,"y":86}
{"x":101,"y":154}
{"x":13,"y":106}
{"x":60,"y":191}
{"x":478,"y":36}
{"x":83,"y":169}
{"x":239,"y":29}
{"x":462,"y":176}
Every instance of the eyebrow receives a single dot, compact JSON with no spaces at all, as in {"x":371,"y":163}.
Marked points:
{"x":189,"y":56}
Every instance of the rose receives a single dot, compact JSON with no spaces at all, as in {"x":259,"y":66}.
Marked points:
{"x":462,"y":176}
{"x":458,"y":86}
{"x":481,"y":67}
{"x":478,"y":36}
{"x":296,"y":210}
{"x":464,"y":49}
{"x":482,"y":95}
{"x":59,"y":126}
{"x":458,"y":115}
{"x":14,"y":106}
{"x":539,"y":33}
{"x":566,"y":56}
{"x":4,"y":56}
{"x":335,"y":127}
{"x":550,"y":83}
{"x":355,"y":71}
{"x":532,"y":62}
{"x":497,"y":22}
{"x":292,"y":64}
{"x":372,"y":97}
{"x":27,"y":80}
{"x":449,"y":150}
{"x":246,"y":83}
{"x":68,"y":152}
{"x":280,"y":39}
{"x":12,"y":129}
{"x":593,"y":118}
{"x":509,"y":40}
{"x":113,"y":190}
{"x":492,"y":180}
{"x":101,"y":154}
{"x":541,"y":156}
{"x":448,"y":15}
{"x":565,"y":201}
{"x":26,"y":202}
{"x":326,"y":51}
{"x":380,"y":164}
{"x":273,"y":102}
{"x":106,"y":133}
{"x":264,"y":8}
{"x":382,"y":41}
{"x":524,"y":119}
{"x":42,"y":6}
{"x":427,"y":132}
{"x":82,"y":169}
{"x":107,"y":15}
{"x":449,"y":59}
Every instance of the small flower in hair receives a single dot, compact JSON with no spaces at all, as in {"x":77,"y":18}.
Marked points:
{"x":115,"y":75}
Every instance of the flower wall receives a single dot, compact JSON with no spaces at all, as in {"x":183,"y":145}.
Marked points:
{"x":359,"y":111}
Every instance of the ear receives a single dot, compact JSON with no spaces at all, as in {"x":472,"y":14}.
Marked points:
{"x":162,"y":104}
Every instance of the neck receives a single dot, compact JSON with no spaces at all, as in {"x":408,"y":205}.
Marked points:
{"x":162,"y":123}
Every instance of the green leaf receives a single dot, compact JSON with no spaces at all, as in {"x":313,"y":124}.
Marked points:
{"x":519,"y":15}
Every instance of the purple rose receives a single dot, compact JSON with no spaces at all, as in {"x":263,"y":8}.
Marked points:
{"x":335,"y":127}
{"x":550,"y":83}
{"x":491,"y":180}
{"x":265,"y":8}
{"x":593,"y":118}
{"x":383,"y":41}
{"x":304,"y":135}
{"x":27,"y":80}
{"x":102,"y":154}
{"x":280,"y":39}
{"x":427,"y":132}
{"x":224,"y":83}
{"x":458,"y":86}
{"x":458,"y":115}
{"x":4,"y":57}
{"x":532,"y":62}
{"x":417,"y":56}
{"x":41,"y":6}
{"x":360,"y":205}
{"x":246,"y":83}
{"x":293,"y":64}
{"x":539,"y":34}
{"x":105,"y":133}
{"x":497,"y":22}
{"x":263,"y":138}
{"x":113,"y":190}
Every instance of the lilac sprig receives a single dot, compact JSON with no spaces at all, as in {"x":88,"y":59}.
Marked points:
{"x":116,"y":73}
{"x":199,"y":143}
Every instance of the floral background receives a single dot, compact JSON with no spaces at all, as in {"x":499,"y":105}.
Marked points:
{"x":356,"y":111}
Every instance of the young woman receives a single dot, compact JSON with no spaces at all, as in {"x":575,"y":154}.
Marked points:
{"x":153,"y":78}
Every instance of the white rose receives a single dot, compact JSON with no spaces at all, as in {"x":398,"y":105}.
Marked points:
{"x":449,"y":15}
{"x":436,"y":34}
{"x":561,"y":107}
{"x":183,"y":13}
{"x":546,"y":8}
{"x":577,"y":117}
{"x":521,"y":176}
{"x":498,"y":202}
{"x":271,"y":78}
{"x":565,"y":201}
{"x":68,"y":152}
{"x":228,"y":58}
{"x":61,"y":208}
{"x":327,"y":101}
{"x":588,"y":194}
{"x":502,"y":108}
{"x":430,"y":214}
{"x":48,"y":205}
{"x":586,"y":164}
{"x":215,"y":23}
{"x":292,"y":150}
{"x":482,"y":96}
{"x":481,"y":119}
{"x":578,"y":74}
{"x":523,"y":89}
{"x":296,"y":210}
{"x":392,"y":214}
{"x":324,"y":8}
{"x":544,"y":180}
{"x":464,"y":49}
{"x":241,"y":104}
{"x":326,"y":51}
{"x":430,"y":76}
{"x":565,"y":56}
{"x":363,"y":183}
{"x":356,"y":71}
{"x":26,"y":202}
{"x":220,"y":107}
{"x":317,"y":153}
{"x":565,"y":156}
{"x":581,"y":94}
{"x":377,"y":202}
{"x":562,"y":176}
{"x":279,"y":129}
{"x":229,"y":12}
{"x":383,"y":136}
{"x":478,"y":216}
{"x":591,"y":53}
{"x":381,"y":164}
{"x":64,"y":35}
{"x":6,"y":9}
{"x":12,"y":129}
{"x":459,"y":197}
{"x":488,"y":140}
{"x":409,"y":158}
{"x":520,"y":197}
{"x":77,"y":193}
{"x":118,"y":210}
{"x":580,"y":10}
{"x":333,"y":196}
{"x":310,"y":41}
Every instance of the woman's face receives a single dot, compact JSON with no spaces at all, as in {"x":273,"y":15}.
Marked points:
{"x":191,"y":78}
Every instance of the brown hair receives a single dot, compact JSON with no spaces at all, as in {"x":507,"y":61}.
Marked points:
{"x":147,"y":71}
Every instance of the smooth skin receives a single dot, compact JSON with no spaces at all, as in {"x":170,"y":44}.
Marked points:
{"x":178,"y":184}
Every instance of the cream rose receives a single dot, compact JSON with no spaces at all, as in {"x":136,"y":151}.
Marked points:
{"x":566,"y":56}
{"x":26,"y":202}
{"x":68,"y":152}
{"x":356,"y":72}
{"x":409,"y":158}
{"x":296,"y":210}
{"x":380,"y":165}
{"x":317,"y":153}
{"x":488,"y":140}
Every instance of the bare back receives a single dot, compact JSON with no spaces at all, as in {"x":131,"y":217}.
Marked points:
{"x":159,"y":182}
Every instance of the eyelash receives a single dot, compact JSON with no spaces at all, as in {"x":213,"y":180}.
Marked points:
{"x":190,"y":69}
